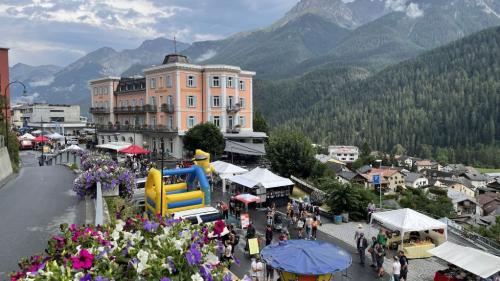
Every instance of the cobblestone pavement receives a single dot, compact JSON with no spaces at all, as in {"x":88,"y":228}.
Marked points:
{"x":418,"y":269}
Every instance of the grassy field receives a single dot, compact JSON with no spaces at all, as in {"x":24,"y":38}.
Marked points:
{"x":488,"y":170}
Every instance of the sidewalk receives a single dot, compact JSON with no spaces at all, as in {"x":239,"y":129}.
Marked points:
{"x":419,"y":269}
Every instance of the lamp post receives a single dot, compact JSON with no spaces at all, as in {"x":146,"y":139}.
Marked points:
{"x":41,"y":134}
{"x":162,"y":148}
{"x":7,"y":108}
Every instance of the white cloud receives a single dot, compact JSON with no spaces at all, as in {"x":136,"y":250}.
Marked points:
{"x":411,"y":9}
{"x":206,"y":56}
{"x":207,"y":37}
{"x":136,"y":16}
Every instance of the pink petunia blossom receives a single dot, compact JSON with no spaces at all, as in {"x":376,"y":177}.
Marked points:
{"x":83,"y":260}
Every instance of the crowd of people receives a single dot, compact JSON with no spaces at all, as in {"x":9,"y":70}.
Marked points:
{"x":378,"y":251}
{"x":305,"y":217}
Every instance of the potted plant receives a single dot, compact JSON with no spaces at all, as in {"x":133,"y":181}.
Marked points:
{"x":341,"y":199}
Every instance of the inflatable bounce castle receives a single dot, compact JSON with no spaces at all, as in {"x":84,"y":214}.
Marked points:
{"x":180,"y":196}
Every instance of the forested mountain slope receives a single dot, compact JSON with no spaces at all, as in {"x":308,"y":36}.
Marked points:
{"x":447,"y":98}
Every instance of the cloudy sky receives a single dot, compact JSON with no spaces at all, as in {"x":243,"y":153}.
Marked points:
{"x":60,"y":31}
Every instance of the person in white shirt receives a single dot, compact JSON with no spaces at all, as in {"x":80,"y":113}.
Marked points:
{"x":257,"y":270}
{"x":228,"y":253}
{"x":396,"y":268}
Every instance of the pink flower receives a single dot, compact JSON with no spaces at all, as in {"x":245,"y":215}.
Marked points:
{"x":83,"y":260}
{"x":219,"y":227}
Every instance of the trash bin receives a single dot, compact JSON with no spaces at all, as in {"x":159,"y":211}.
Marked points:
{"x":338,"y":219}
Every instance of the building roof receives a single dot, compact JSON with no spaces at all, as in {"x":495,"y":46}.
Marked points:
{"x":423,"y":163}
{"x":456,"y":168}
{"x":364,"y":169}
{"x":412,"y":177}
{"x":256,"y":149}
{"x":132,"y":84}
{"x":246,"y":135}
{"x":348,"y":175}
{"x":436,"y":173}
{"x":488,"y":197}
{"x":457,"y":196}
{"x":475,"y":176}
{"x":175,"y":58}
{"x":343,"y":148}
{"x":384,"y":172}
{"x":463,"y":181}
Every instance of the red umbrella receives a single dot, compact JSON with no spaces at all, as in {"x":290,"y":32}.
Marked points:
{"x":134,"y":149}
{"x":41,"y":139}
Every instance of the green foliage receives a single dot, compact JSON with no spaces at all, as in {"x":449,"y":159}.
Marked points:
{"x":442,"y":104}
{"x":416,"y":199}
{"x":290,"y":153}
{"x":13,"y":146}
{"x":351,"y":198}
{"x":120,"y":208}
{"x":206,"y":137}
{"x":259,"y":123}
{"x":317,"y":198}
{"x":73,"y":167}
{"x":492,"y":232}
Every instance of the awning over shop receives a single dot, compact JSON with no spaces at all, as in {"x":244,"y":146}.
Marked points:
{"x":261,"y":177}
{"x":406,"y":220}
{"x":256,"y":149}
{"x":474,"y":261}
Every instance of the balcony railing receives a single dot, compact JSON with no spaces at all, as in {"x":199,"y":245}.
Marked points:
{"x":167,"y":108}
{"x":136,"y":128}
{"x":233,"y":108}
{"x":233,"y":130}
{"x":150,"y":108}
{"x":129,"y":109}
{"x":99,"y":110}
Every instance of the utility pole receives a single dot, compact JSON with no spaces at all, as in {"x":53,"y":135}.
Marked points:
{"x":41,"y":129}
{"x":162,"y":148}
{"x":6,"y":105}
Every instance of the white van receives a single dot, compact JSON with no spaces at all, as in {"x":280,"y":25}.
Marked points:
{"x":200,"y":215}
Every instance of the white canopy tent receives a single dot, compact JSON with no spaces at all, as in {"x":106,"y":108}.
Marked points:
{"x":117,"y":145}
{"x":408,"y":220}
{"x":73,"y":147}
{"x":260,"y":177}
{"x":226,"y":170}
{"x":474,"y":261}
{"x":27,"y":136}
{"x":37,"y":132}
{"x":55,"y":136}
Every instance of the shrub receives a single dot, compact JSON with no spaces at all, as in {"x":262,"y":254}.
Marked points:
{"x":317,"y":198}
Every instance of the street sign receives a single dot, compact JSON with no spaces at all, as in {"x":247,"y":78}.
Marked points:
{"x":376,"y":179}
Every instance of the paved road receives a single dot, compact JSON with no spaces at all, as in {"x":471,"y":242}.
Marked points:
{"x":355,"y":272}
{"x":32,"y":206}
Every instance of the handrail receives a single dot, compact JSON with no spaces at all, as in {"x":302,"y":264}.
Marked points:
{"x":99,"y":213}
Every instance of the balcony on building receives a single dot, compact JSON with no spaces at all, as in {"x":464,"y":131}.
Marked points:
{"x":234,"y":108}
{"x":99,"y":110}
{"x":150,"y":108}
{"x":167,"y":108}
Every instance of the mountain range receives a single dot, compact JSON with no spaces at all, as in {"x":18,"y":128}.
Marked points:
{"x":302,"y":60}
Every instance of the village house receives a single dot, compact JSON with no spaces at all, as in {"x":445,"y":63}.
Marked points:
{"x":459,"y":186}
{"x":392,"y":178}
{"x":477,"y":180}
{"x":463,"y":204}
{"x":490,"y":203}
{"x":351,"y":177}
{"x":424,"y":164}
{"x":415,"y":180}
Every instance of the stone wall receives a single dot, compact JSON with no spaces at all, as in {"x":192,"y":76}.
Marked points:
{"x":5,"y":166}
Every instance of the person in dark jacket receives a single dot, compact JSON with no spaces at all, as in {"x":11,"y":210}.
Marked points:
{"x":269,"y":234}
{"x":361,"y":245}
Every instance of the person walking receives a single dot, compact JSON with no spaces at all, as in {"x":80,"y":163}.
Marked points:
{"x":370,"y":210}
{"x":372,"y":252}
{"x":308,"y":227}
{"x":269,"y":234}
{"x":257,"y":269}
{"x":269,"y":273}
{"x":228,"y":250}
{"x":225,"y":210}
{"x":361,"y":245}
{"x":396,"y":268}
{"x":382,"y":238}
{"x":379,"y":249}
{"x":314,"y":226}
{"x":358,"y":232}
{"x":316,"y":213}
{"x":403,"y":260}
{"x":300,"y":227}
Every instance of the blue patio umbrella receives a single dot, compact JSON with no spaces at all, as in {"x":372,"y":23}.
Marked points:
{"x":306,"y":257}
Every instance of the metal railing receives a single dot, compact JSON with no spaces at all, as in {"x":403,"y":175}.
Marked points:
{"x":167,"y":108}
{"x":233,"y":108}
{"x":150,"y":108}
{"x":99,"y":110}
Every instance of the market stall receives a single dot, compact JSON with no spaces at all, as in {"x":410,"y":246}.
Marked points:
{"x":425,"y":232}
{"x":468,"y":263}
{"x":268,"y":186}
{"x":306,"y":260}
{"x":226,"y":170}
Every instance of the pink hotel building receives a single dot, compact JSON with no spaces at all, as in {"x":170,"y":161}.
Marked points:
{"x":171,"y":99}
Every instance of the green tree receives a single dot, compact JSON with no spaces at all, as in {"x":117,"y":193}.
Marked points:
{"x":398,"y":149}
{"x":259,"y":123}
{"x":13,"y":146}
{"x":206,"y":137}
{"x":290,"y":153}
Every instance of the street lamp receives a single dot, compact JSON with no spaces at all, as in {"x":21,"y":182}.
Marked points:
{"x":6,"y":109}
